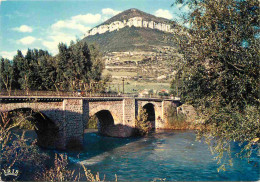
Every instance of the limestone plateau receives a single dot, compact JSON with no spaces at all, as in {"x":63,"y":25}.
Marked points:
{"x":138,"y":21}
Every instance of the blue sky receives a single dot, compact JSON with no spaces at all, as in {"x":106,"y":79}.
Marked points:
{"x":42,"y":24}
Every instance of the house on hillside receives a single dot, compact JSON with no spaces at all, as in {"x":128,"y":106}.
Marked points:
{"x":163,"y":92}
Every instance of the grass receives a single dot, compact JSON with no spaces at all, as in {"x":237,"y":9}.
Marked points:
{"x":136,"y":87}
{"x":121,"y":73}
{"x":133,"y":58}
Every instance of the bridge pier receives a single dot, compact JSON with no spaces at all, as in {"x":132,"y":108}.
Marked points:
{"x":73,"y":125}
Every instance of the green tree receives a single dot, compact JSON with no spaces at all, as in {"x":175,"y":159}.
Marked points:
{"x":6,"y":74}
{"x":16,"y":72}
{"x":24,"y":70}
{"x":220,"y":71}
{"x":96,"y":70}
{"x":47,"y":72}
{"x":82,"y":63}
{"x":17,"y":66}
{"x":78,"y":66}
{"x":62,"y":59}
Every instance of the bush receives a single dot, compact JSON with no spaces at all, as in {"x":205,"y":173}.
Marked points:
{"x":93,"y":122}
{"x":59,"y":172}
{"x":176,"y":120}
{"x":142,"y":125}
{"x":17,"y":152}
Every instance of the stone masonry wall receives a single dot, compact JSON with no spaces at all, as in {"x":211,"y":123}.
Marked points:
{"x":129,"y":112}
{"x":73,"y":124}
{"x":166,"y":105}
{"x":51,"y":109}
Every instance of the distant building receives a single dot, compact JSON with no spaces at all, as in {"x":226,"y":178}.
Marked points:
{"x":143,"y":93}
{"x":161,"y":77}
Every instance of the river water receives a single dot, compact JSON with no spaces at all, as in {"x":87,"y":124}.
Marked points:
{"x":169,"y":155}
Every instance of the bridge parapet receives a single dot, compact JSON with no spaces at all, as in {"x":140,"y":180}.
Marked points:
{"x":55,"y":94}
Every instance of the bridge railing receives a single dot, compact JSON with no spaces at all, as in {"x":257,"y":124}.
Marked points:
{"x":20,"y":93}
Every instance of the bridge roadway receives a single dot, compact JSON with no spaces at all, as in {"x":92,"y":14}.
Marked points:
{"x":70,"y":114}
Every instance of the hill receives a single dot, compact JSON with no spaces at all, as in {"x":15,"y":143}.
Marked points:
{"x":132,"y":38}
{"x":138,"y":47}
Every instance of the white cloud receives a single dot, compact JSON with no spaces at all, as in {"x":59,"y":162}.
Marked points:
{"x":79,"y":22}
{"x":67,"y":30}
{"x":87,"y":18}
{"x":10,"y":54}
{"x":23,"y":28}
{"x":179,"y":5}
{"x":7,"y":54}
{"x":68,"y":24}
{"x":186,"y":8}
{"x":105,"y":18}
{"x":183,"y":7}
{"x":27,"y":40}
{"x":72,"y":28}
{"x":109,"y":11}
{"x":52,"y":41}
{"x":24,"y":51}
{"x":163,"y":13}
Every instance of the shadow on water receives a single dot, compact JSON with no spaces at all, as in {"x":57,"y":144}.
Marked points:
{"x":49,"y":134}
{"x":97,"y":147}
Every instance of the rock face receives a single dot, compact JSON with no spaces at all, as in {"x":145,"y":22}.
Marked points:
{"x":137,"y":18}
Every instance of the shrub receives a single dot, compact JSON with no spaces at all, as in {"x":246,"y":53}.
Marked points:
{"x":17,"y":152}
{"x":142,"y":125}
{"x":176,"y":120}
{"x":59,"y":172}
{"x":92,"y":122}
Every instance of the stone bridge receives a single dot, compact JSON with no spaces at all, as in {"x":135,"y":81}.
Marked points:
{"x":71,"y":114}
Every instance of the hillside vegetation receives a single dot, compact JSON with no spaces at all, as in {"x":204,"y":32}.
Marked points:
{"x":130,"y":39}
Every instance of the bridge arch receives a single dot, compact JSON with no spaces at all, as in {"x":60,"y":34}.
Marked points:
{"x":157,"y":106}
{"x":109,"y":108}
{"x":149,"y":107}
{"x":105,"y":122}
{"x":47,"y":130}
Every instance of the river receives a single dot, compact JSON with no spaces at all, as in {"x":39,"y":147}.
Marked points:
{"x":169,"y":155}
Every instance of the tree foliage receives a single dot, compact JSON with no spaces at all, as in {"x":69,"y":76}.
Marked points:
{"x":77,"y":66}
{"x":220,"y":70}
{"x":6,"y":75}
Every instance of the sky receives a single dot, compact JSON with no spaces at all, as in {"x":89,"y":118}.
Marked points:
{"x":43,"y":24}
